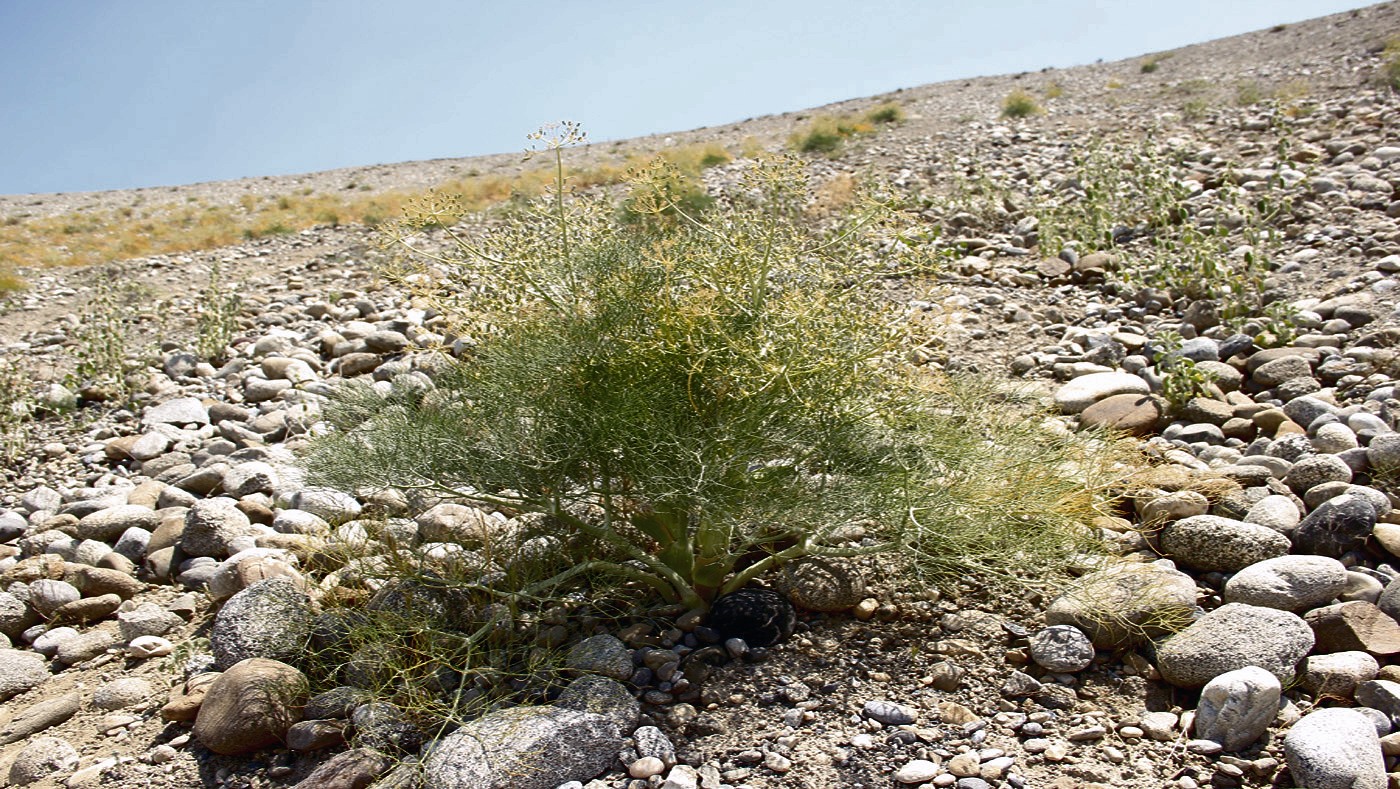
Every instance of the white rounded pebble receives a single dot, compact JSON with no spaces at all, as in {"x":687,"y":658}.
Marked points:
{"x":149,"y":647}
{"x":916,"y":772}
{"x":646,"y":767}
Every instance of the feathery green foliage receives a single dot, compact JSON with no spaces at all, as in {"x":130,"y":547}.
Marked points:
{"x":691,"y":403}
{"x":1020,"y":104}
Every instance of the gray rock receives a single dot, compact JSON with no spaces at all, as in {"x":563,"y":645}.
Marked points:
{"x":1237,"y":707}
{"x":48,"y":643}
{"x":1337,"y":674}
{"x":601,"y":654}
{"x":1288,"y":583}
{"x":889,"y":713}
{"x":1335,"y":748}
{"x":1381,"y":694}
{"x":1334,"y":439}
{"x":211,"y":526}
{"x":147,"y":619}
{"x":180,"y":411}
{"x":45,"y":757}
{"x":108,"y":524}
{"x":1276,"y":512}
{"x":1126,"y":603}
{"x":1314,"y":470}
{"x":122,"y":693}
{"x":524,"y":748}
{"x":85,"y":646}
{"x":1339,"y":525}
{"x":47,"y":595}
{"x":1275,"y":372}
{"x":653,"y":742}
{"x":1064,"y":649}
{"x":1210,"y":542}
{"x":132,"y":544}
{"x":601,"y":696}
{"x":255,"y":476}
{"x":332,"y":506}
{"x":40,"y":716}
{"x":1086,"y":390}
{"x":15,"y":615}
{"x":20,"y":671}
{"x":1231,"y":637}
{"x":270,"y":619}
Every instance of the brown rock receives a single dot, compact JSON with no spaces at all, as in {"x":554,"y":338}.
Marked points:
{"x":955,"y":714}
{"x":250,"y":706}
{"x":257,"y":512}
{"x":96,"y":581}
{"x":35,"y":568}
{"x":159,"y":563}
{"x":88,"y":609}
{"x":167,"y":534}
{"x":1389,"y":673}
{"x":315,"y":735}
{"x":1237,"y":427}
{"x":1209,"y":410}
{"x":1355,"y":625}
{"x":353,"y":769}
{"x":1135,"y":414}
{"x":38,"y":717}
{"x":119,"y":448}
{"x":146,"y":494}
{"x":185,"y":702}
{"x":1052,"y":268}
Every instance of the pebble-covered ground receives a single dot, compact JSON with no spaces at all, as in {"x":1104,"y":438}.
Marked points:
{"x":160,"y":563}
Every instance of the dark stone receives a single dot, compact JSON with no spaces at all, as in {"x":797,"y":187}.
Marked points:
{"x":760,"y":617}
{"x":1339,"y":525}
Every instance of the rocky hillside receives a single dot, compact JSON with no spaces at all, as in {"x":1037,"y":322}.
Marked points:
{"x":1197,"y":248}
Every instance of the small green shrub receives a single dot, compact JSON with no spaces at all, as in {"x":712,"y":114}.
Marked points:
{"x":217,"y":322}
{"x":1390,"y":63}
{"x":16,"y":409}
{"x":1181,"y":378}
{"x":103,"y":339}
{"x":889,"y":112}
{"x":686,"y":405}
{"x":1054,"y":90}
{"x":1019,"y":104}
{"x":1148,"y":66}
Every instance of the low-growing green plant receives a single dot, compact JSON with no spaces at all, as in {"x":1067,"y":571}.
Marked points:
{"x":889,"y":112}
{"x":103,"y":339}
{"x":1148,"y":66}
{"x":687,"y":405}
{"x":1019,"y":104}
{"x":16,"y":409}
{"x":1390,"y":63}
{"x":217,"y":321}
{"x":1054,"y":90}
{"x":1181,"y":378}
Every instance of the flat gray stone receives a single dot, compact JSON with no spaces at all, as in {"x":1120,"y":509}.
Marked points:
{"x":1237,"y":707}
{"x":524,"y":748}
{"x":1288,"y":583}
{"x":1232,"y":637}
{"x":180,"y":411}
{"x":1335,"y":748}
{"x":1086,"y":390}
{"x":1211,"y":542}
{"x":1126,"y":603}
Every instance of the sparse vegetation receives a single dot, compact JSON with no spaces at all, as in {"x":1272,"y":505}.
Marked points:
{"x":1130,"y":195}
{"x":1390,"y":63}
{"x":84,"y":238}
{"x":1054,"y":90}
{"x":827,"y":134}
{"x":16,"y":409}
{"x":672,"y":398}
{"x":1019,"y":104}
{"x":217,"y":321}
{"x":103,"y":340}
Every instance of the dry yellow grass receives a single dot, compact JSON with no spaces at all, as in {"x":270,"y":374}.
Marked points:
{"x":85,"y":238}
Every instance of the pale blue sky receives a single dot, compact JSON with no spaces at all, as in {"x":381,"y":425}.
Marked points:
{"x":106,"y":94}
